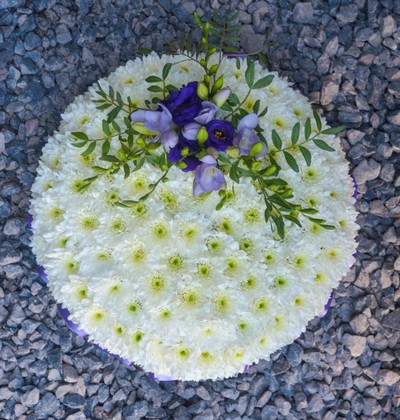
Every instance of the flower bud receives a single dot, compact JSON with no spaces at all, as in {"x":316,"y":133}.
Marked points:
{"x":270,"y":171}
{"x":214,"y":68}
{"x":255,"y":166}
{"x":256,"y":149}
{"x":232,"y":151}
{"x":140,"y":142}
{"x":207,"y":79}
{"x":202,"y":135}
{"x":202,"y":91}
{"x":220,"y":97}
{"x":181,"y":165}
{"x":218,"y":84}
{"x":121,"y":154}
{"x":185,"y":151}
{"x":288,"y":193}
{"x":140,"y":128}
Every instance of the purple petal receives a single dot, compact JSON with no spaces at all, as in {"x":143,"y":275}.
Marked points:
{"x":138,"y":116}
{"x":249,"y":121}
{"x":152,"y":120}
{"x":209,"y":160}
{"x":169,"y":139}
{"x":190,"y":131}
{"x":207,"y":113}
{"x":207,"y":178}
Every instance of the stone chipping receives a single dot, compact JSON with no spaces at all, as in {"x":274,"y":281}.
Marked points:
{"x":344,"y":56}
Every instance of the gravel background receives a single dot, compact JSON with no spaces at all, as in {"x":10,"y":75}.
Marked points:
{"x":344,"y":56}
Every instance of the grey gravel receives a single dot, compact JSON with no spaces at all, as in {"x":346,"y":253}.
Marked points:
{"x":343,"y":55}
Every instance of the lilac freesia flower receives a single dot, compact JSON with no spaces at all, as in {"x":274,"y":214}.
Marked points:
{"x":184,"y":104}
{"x":246,"y":138}
{"x":207,"y":177}
{"x":207,"y":113}
{"x":220,"y":134}
{"x":190,"y":131}
{"x":159,"y":122}
{"x":221,"y":96}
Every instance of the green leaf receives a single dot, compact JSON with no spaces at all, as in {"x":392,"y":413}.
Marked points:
{"x":153,"y":79}
{"x":295,"y":133}
{"x":226,"y":107}
{"x":221,"y":203}
{"x":170,"y":88}
{"x":322,"y":145}
{"x":281,"y":202}
{"x":233,"y":172}
{"x":265,"y":110}
{"x":110,"y":158}
{"x":234,"y":98}
{"x":130,"y":140}
{"x":154,"y":160}
{"x":267,"y":215}
{"x":280,"y":225}
{"x":249,"y":74}
{"x":317,"y":221}
{"x":144,"y":51}
{"x":103,"y":107}
{"x":127,"y":170}
{"x":246,"y":172}
{"x":106,"y":128}
{"x":105,"y":148}
{"x":99,"y":169}
{"x":307,"y":129}
{"x":238,"y":63}
{"x":155,"y":88}
{"x":111,"y":92}
{"x":113,"y":114}
{"x":119,"y":100}
{"x":263,"y":59}
{"x":166,"y":69}
{"x":275,"y":181}
{"x":328,"y":227}
{"x":334,"y":130}
{"x":89,"y":149}
{"x":126,"y":203}
{"x":79,"y":135}
{"x":228,"y":48}
{"x":291,"y":161}
{"x":292,"y":219}
{"x":306,"y":155}
{"x":309,"y":211}
{"x":79,"y":143}
{"x":264,"y":82}
{"x":317,"y":119}
{"x":116,"y":126}
{"x":256,"y":106}
{"x":276,"y":139}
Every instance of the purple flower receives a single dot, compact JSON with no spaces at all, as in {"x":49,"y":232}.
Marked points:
{"x":159,"y":122}
{"x":207,"y":177}
{"x":175,"y":154}
{"x":190,"y":131}
{"x":246,"y":138}
{"x":220,"y":134}
{"x":184,"y":104}
{"x":207,"y":113}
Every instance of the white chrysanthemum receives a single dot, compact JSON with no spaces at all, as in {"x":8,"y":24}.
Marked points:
{"x":170,"y":283}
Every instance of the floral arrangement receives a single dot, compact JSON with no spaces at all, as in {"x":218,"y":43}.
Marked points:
{"x":186,"y":214}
